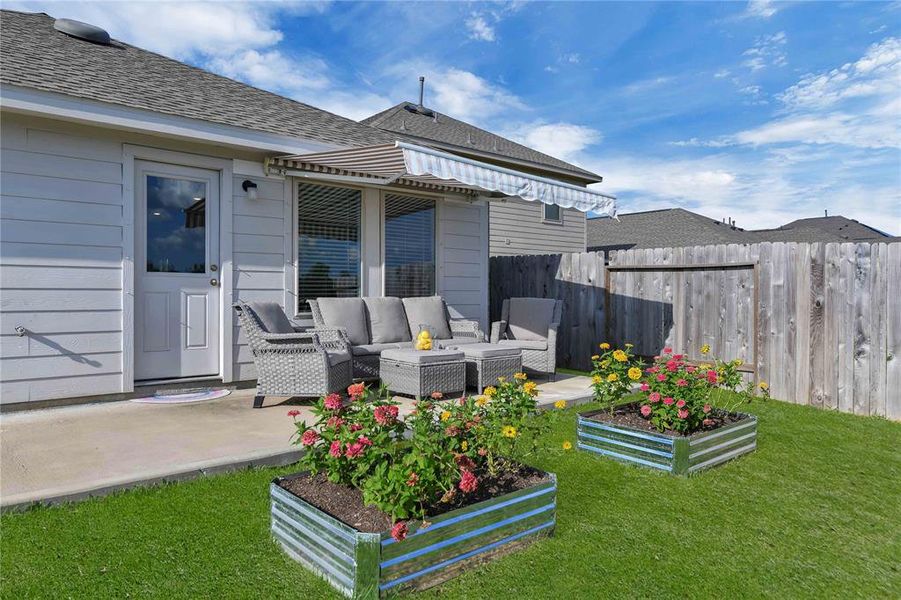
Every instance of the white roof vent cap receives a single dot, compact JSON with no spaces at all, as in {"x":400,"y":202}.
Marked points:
{"x":82,"y":31}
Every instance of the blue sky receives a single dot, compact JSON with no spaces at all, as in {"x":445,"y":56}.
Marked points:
{"x":763,"y":111}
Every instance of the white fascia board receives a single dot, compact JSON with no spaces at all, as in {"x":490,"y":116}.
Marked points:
{"x":59,"y":106}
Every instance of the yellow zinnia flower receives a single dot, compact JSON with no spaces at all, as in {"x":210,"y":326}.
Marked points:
{"x":705,"y":349}
{"x":464,"y":445}
{"x":567,"y":445}
{"x":445,"y":415}
{"x":604,"y":346}
{"x":490,"y":391}
{"x":502,"y":379}
{"x":764,"y":385}
{"x":629,"y":345}
{"x":634,"y":373}
{"x":605,"y":364}
{"x":520,"y":376}
{"x":530,"y":387}
{"x":560,"y":404}
{"x":508,"y":431}
{"x":482,"y":400}
{"x":595,"y":357}
{"x":596,"y":379}
{"x":612,"y":377}
{"x":620,"y":356}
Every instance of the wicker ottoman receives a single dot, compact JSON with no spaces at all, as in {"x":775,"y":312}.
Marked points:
{"x":419,"y":373}
{"x":486,"y":362}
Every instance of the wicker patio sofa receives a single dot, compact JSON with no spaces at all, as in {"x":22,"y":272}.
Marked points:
{"x":291,"y":362}
{"x":370,"y":325}
{"x":530,"y":324}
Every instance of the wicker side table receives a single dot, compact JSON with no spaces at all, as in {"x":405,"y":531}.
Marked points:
{"x":486,"y":362}
{"x":419,"y":373}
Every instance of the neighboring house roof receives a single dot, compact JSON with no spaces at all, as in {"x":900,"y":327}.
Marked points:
{"x":677,"y":227}
{"x":37,"y":56}
{"x":461,"y":137}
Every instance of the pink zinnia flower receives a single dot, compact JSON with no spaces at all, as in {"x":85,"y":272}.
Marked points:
{"x":711,"y":376}
{"x":681,"y":383}
{"x":706,"y":408}
{"x":355,"y":390}
{"x":691,"y":369}
{"x":364,"y":440}
{"x":482,"y":451}
{"x":668,"y":400}
{"x":653,"y":369}
{"x":452,"y":430}
{"x":654,"y":397}
{"x":661,"y":377}
{"x":645,"y":410}
{"x":413,"y":479}
{"x":708,"y":422}
{"x":334,"y":422}
{"x":468,"y":482}
{"x":309,"y":437}
{"x":680,"y":403}
{"x":333,"y":402}
{"x":678,"y":356}
{"x":293,"y":413}
{"x":356,"y":427}
{"x":335,"y":449}
{"x":671,"y":365}
{"x":667,"y":350}
{"x":437,"y":395}
{"x":645,"y":387}
{"x":464,"y":462}
{"x":354,"y":450}
{"x":683,"y":414}
{"x":385,"y":415}
{"x":399,"y":531}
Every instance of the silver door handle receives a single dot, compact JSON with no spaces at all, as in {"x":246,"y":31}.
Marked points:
{"x":214,"y":282}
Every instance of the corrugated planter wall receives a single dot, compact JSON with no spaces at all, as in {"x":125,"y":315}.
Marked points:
{"x":678,"y":455}
{"x":370,"y":565}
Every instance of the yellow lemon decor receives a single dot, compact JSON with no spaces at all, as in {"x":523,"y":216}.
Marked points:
{"x":424,"y":340}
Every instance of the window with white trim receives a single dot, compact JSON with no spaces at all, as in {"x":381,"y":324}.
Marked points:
{"x":410,"y":263}
{"x":328,"y":243}
{"x":552,"y":212}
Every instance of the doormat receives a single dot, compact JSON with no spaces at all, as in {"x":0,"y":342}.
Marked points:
{"x":183,"y":396}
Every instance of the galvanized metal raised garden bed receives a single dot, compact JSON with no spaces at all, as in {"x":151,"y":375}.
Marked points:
{"x":678,"y":455}
{"x":370,"y":565}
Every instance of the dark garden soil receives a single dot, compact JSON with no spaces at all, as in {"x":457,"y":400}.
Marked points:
{"x":627,"y":415}
{"x":346,"y":503}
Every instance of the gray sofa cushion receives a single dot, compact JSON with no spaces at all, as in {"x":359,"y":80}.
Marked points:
{"x":530,"y":318}
{"x":349,"y":313}
{"x":336,"y":357}
{"x":387,"y":320}
{"x":524,"y":344}
{"x":488,"y":350}
{"x":428,"y":311}
{"x":366,"y":349}
{"x":271,"y":317}
{"x":421,"y":358}
{"x":455,"y":342}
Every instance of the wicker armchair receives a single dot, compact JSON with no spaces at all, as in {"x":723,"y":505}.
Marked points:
{"x":539,"y":353}
{"x":295,"y":363}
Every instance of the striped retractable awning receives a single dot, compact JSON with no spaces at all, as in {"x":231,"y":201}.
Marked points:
{"x":420,"y":166}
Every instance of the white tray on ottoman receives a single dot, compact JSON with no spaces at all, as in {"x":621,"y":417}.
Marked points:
{"x":486,"y":362}
{"x":421,"y":372}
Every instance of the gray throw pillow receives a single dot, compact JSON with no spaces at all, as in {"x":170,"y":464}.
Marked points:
{"x":530,"y":318}
{"x":271,"y":317}
{"x":387,"y":320}
{"x":428,"y":311}
{"x":349,"y":313}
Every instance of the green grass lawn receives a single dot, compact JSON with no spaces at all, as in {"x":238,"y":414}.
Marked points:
{"x":815,"y":512}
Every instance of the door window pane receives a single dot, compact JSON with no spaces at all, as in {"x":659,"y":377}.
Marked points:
{"x":328,"y":243}
{"x":176,"y":225}
{"x":409,"y":246}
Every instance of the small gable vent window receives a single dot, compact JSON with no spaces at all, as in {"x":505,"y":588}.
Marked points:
{"x":552,"y":213}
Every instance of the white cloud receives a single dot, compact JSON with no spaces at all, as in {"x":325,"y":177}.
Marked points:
{"x":768,"y":50}
{"x":721,"y":74}
{"x":762,"y":9}
{"x":479,"y":29}
{"x":566,"y":141}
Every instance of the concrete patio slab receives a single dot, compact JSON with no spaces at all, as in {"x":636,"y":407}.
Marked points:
{"x":75,"y":452}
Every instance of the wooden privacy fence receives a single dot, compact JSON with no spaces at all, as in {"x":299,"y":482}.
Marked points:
{"x":820,"y":323}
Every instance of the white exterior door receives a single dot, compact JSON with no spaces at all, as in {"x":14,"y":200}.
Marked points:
{"x":177,"y":300}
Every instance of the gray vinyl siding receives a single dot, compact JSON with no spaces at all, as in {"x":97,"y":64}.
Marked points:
{"x":262,"y":248}
{"x":518,"y":227}
{"x":463,"y":266}
{"x":61,"y":232}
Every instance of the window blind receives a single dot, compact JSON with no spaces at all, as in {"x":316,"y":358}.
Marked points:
{"x":409,"y":246}
{"x":328,"y":243}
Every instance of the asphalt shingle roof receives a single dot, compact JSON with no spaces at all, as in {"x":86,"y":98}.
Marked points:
{"x":463,"y":136}
{"x":677,"y":227}
{"x":37,"y":56}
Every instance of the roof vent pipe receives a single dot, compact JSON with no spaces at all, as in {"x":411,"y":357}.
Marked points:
{"x":421,"y":92}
